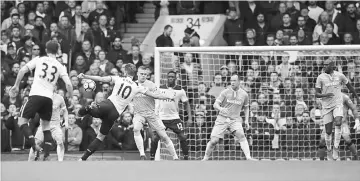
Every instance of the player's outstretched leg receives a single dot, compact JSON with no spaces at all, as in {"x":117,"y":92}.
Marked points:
{"x":347,"y":138}
{"x":168,"y":143}
{"x":322,"y":148}
{"x":337,"y":137}
{"x":26,"y":130}
{"x":240,"y":135}
{"x":210,"y":147}
{"x":45,"y":124}
{"x":184,"y":145}
{"x":154,"y":146}
{"x":139,"y":141}
{"x":60,"y":149}
{"x":94,"y":145}
{"x":328,"y":138}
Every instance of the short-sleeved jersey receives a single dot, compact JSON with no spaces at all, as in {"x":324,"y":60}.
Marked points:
{"x":58,"y":105}
{"x":331,"y":84}
{"x":169,"y":108}
{"x":233,"y":101}
{"x":144,"y":104}
{"x":47,"y":72}
{"x":123,"y":92}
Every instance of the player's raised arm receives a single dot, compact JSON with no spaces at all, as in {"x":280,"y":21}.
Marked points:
{"x":25,"y":69}
{"x":156,"y":93}
{"x":95,"y":78}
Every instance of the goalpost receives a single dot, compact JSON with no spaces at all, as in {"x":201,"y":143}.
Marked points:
{"x":288,"y":136}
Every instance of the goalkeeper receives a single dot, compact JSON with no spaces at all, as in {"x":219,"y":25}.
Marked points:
{"x":169,"y":114}
{"x":345,"y":130}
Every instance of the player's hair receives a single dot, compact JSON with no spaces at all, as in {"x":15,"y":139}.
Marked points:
{"x":171,"y":72}
{"x":52,"y":47}
{"x":130,"y":69}
{"x":142,"y":67}
{"x":15,"y":14}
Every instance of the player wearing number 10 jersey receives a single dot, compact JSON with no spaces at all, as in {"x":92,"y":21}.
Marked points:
{"x":110,"y":109}
{"x":47,"y":72}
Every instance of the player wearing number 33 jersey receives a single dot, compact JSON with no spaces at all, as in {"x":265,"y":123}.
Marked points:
{"x":110,"y":109}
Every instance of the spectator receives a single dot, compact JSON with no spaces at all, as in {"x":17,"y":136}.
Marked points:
{"x":85,"y":34}
{"x":80,"y":64}
{"x":250,"y":9}
{"x":299,"y":94}
{"x":309,"y":22}
{"x":293,"y":40}
{"x":74,"y":134}
{"x":121,"y":134}
{"x":16,"y":38}
{"x":165,"y":40}
{"x":284,"y":68}
{"x":287,"y":26}
{"x":70,"y":11}
{"x":104,"y":35}
{"x":277,"y":20}
{"x":194,"y":37}
{"x":348,"y":39}
{"x":100,"y":10}
{"x":87,"y":53}
{"x":233,"y":28}
{"x":302,"y":38}
{"x":357,"y":33}
{"x":15,"y":18}
{"x":270,"y":40}
{"x":293,"y":12}
{"x":262,"y":28}
{"x":117,"y":52}
{"x":5,"y":133}
{"x":333,"y":15}
{"x":187,"y":7}
{"x":134,"y":57}
{"x":17,"y":138}
{"x":8,"y":21}
{"x":91,"y":132}
{"x":11,"y":56}
{"x":279,"y":38}
{"x":314,"y":10}
{"x":148,"y":62}
{"x":66,"y":29}
{"x":105,"y":65}
{"x":261,"y":131}
{"x":39,"y":32}
{"x":164,"y":7}
{"x":199,"y":133}
{"x":217,"y":87}
{"x":40,"y":11}
{"x":250,"y":39}
{"x":77,"y":20}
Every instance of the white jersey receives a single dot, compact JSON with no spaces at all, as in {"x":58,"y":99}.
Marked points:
{"x":47,"y":72}
{"x":169,"y":108}
{"x":124,"y":91}
{"x":58,"y":105}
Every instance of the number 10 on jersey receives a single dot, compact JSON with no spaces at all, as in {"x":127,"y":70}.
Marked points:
{"x":124,"y":91}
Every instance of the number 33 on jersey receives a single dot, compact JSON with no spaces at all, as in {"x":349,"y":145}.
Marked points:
{"x":47,"y":71}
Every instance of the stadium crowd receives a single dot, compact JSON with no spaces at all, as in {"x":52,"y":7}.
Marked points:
{"x":284,"y":111}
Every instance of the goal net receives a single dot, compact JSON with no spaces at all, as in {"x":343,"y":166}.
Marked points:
{"x":285,"y":117}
